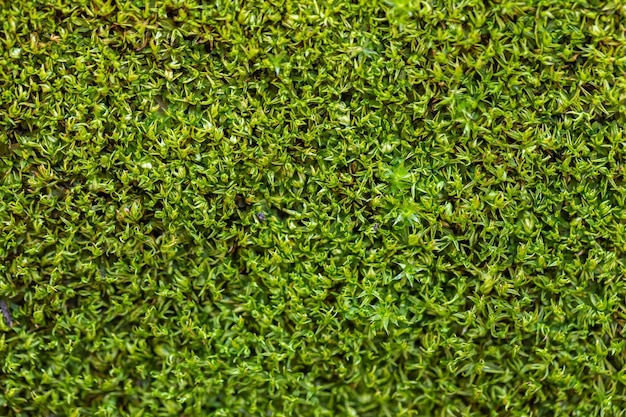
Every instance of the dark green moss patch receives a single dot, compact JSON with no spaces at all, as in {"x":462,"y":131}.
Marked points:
{"x":312,"y":208}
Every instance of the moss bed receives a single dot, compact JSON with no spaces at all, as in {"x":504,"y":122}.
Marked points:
{"x":312,"y":208}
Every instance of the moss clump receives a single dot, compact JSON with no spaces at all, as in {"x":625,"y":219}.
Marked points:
{"x":312,"y":208}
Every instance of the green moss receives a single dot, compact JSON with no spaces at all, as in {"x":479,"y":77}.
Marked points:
{"x":312,"y":208}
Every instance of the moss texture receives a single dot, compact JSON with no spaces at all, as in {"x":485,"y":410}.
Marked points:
{"x":312,"y":208}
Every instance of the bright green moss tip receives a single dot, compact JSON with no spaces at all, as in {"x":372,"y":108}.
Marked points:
{"x":312,"y":208}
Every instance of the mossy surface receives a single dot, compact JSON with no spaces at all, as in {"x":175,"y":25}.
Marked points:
{"x":312,"y":208}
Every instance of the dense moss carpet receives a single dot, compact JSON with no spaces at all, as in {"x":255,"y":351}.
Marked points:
{"x":312,"y":208}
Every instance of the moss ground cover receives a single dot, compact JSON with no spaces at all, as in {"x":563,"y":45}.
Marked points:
{"x":312,"y":208}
